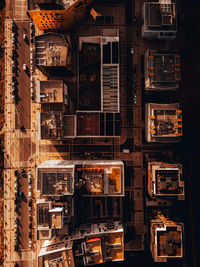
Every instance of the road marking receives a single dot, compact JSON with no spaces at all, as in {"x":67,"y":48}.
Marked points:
{"x":21,"y":7}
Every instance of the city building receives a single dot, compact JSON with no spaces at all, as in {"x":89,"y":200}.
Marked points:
{"x":53,"y":53}
{"x":162,"y":70}
{"x":53,"y":217}
{"x":167,"y":238}
{"x":98,"y":113}
{"x":99,"y":73}
{"x":61,"y":17}
{"x":56,"y":253}
{"x":99,"y":106}
{"x":163,"y":123}
{"x":165,"y":180}
{"x":98,"y":243}
{"x":52,"y":91}
{"x":89,"y":177}
{"x":55,"y":178}
{"x":89,"y":244}
{"x":160,"y":20}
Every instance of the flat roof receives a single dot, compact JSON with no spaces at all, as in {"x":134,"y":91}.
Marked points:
{"x":97,"y":124}
{"x":100,"y":242}
{"x":99,"y":73}
{"x":56,"y":219}
{"x":166,"y":179}
{"x":61,"y":259}
{"x":99,"y":180}
{"x":93,"y":177}
{"x":166,"y":239}
{"x":69,"y":125}
{"x":50,"y":91}
{"x":50,"y":125}
{"x":169,"y":242}
{"x":55,"y":182}
{"x":163,"y":121}
{"x":162,"y":69}
{"x":89,"y":76}
{"x":43,"y":216}
{"x":160,"y":16}
{"x":51,"y":50}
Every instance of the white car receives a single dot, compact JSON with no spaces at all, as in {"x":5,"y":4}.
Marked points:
{"x":30,"y":244}
{"x":29,"y":187}
{"x":24,"y":66}
{"x":24,"y":36}
{"x":29,"y":194}
{"x":29,"y":174}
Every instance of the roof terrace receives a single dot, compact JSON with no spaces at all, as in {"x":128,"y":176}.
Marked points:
{"x":165,"y":180}
{"x":162,"y":70}
{"x":163,"y":122}
{"x":51,"y":91}
{"x":159,"y":19}
{"x":51,"y":50}
{"x":166,"y":239}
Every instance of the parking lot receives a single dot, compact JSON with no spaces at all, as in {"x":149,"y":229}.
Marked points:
{"x":23,"y":210}
{"x":22,"y":48}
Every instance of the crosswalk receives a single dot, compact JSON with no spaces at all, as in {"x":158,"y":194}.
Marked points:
{"x":21,"y":7}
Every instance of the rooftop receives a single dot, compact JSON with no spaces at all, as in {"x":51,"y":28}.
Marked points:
{"x":159,"y":19}
{"x":50,"y":125}
{"x":55,"y":180}
{"x":161,"y":16}
{"x":162,"y":70}
{"x":51,"y":91}
{"x":163,"y":122}
{"x":75,"y":12}
{"x":166,"y":239}
{"x":100,"y":178}
{"x":97,"y":124}
{"x":99,"y":243}
{"x":51,"y":50}
{"x":99,"y":73}
{"x":165,"y":179}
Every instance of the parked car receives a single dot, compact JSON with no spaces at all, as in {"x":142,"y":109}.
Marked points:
{"x":20,"y":194}
{"x":24,"y":66}
{"x":13,"y":98}
{"x":16,"y":187}
{"x":22,"y":170}
{"x":30,"y":244}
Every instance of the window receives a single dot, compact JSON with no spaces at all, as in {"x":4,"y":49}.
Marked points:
{"x":111,"y":53}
